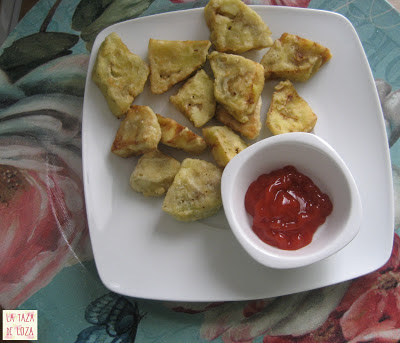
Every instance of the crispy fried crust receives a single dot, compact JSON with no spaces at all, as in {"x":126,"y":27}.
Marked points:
{"x":238,"y":83}
{"x":139,"y":132}
{"x":289,"y":112}
{"x":224,"y":143}
{"x":235,"y":27}
{"x":154,"y":173}
{"x":195,"y":99}
{"x":196,"y":191}
{"x":120,"y":74}
{"x":174,"y":61}
{"x":180,"y":137}
{"x":250,"y":129}
{"x":294,"y":58}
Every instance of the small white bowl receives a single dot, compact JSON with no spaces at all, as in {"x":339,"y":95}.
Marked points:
{"x":313,"y":157}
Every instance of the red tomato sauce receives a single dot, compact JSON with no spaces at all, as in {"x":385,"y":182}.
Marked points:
{"x":287,"y":208}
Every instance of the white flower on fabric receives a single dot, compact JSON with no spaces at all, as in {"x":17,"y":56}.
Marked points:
{"x":390,"y":102}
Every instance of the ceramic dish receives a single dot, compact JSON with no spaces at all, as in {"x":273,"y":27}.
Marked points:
{"x":313,"y":157}
{"x":142,"y":252}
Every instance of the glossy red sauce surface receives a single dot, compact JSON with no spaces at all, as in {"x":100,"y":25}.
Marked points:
{"x":287,"y":208}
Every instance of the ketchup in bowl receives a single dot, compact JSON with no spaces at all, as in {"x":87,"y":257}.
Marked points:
{"x":287,"y":208}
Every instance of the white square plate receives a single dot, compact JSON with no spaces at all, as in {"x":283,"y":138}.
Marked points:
{"x":142,"y":252}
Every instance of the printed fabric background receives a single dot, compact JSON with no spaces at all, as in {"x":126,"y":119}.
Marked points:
{"x":46,"y":261}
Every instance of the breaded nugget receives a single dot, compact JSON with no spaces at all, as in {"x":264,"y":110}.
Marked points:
{"x":224,"y":143}
{"x":139,"y":132}
{"x":238,"y":83}
{"x":289,"y":112}
{"x":174,"y":61}
{"x":250,"y":129}
{"x":154,"y":173}
{"x":294,"y":58}
{"x":196,"y":191}
{"x":235,"y":27}
{"x":195,"y":99}
{"x":120,"y":74}
{"x":180,"y":137}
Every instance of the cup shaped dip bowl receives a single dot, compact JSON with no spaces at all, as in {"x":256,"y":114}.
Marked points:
{"x":313,"y":157}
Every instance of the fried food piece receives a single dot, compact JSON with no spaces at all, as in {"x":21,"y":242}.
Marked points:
{"x":238,"y":83}
{"x":250,"y":129}
{"x":139,"y":132}
{"x":178,"y":136}
{"x":120,"y":74}
{"x":174,"y":61}
{"x":195,"y":99}
{"x":224,"y":143}
{"x":294,"y":58}
{"x":154,"y":173}
{"x":196,"y":191}
{"x":235,"y":27}
{"x":289,"y":112}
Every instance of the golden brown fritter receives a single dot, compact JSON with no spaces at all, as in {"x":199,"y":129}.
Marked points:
{"x":288,"y":111}
{"x":224,"y":143}
{"x":180,"y":137}
{"x":294,"y":58}
{"x":250,"y":129}
{"x":120,"y":74}
{"x":195,"y":99}
{"x":238,"y":83}
{"x":154,"y":173}
{"x":196,"y":191}
{"x":174,"y":61}
{"x":139,"y":132}
{"x":235,"y":27}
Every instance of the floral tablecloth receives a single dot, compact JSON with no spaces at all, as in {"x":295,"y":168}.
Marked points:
{"x":46,"y":261}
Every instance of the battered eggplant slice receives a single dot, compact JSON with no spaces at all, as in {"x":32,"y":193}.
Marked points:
{"x":238,"y":83}
{"x":174,"y":61}
{"x":224,"y":143}
{"x":250,"y":129}
{"x":294,"y":58}
{"x":154,"y":173}
{"x":195,"y":99}
{"x":288,"y":111}
{"x":180,"y":137}
{"x":120,"y":74}
{"x":139,"y":132}
{"x":196,"y":191}
{"x":235,"y":27}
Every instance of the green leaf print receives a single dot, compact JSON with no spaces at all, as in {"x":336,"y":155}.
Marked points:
{"x":117,"y":11}
{"x":87,"y":12}
{"x":29,"y":52}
